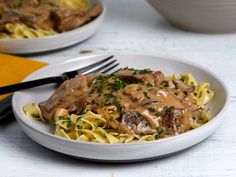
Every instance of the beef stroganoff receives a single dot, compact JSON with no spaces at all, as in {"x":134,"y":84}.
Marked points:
{"x":127,"y":106}
{"x":23,"y":19}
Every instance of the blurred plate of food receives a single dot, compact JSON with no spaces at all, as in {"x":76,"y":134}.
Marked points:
{"x":32,"y":26}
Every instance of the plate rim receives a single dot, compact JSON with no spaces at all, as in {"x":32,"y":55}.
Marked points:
{"x":89,"y":56}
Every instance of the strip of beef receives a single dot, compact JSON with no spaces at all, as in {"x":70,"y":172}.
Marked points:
{"x":44,"y":14}
{"x":39,"y":17}
{"x":68,"y":19}
{"x":135,"y":122}
{"x":175,"y":121}
{"x":145,"y":76}
{"x":70,"y":95}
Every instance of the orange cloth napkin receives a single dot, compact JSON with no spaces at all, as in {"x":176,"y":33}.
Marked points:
{"x":14,"y":69}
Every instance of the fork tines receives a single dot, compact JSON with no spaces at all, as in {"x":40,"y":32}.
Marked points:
{"x":104,"y":68}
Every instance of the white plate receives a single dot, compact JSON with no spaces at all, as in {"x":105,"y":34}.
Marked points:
{"x":43,"y":133}
{"x":53,"y":42}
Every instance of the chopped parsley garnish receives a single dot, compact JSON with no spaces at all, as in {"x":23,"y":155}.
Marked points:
{"x":158,"y":113}
{"x":146,"y":95}
{"x":151,"y":109}
{"x":158,"y":133}
{"x":100,"y":83}
{"x":66,"y":118}
{"x":169,"y":108}
{"x":69,"y":124}
{"x":111,"y":118}
{"x":182,"y":78}
{"x":94,"y":102}
{"x":107,"y":97}
{"x":112,"y":83}
{"x":149,"y":87}
{"x":117,"y":84}
{"x":145,"y":71}
{"x":117,"y":103}
{"x":52,"y":4}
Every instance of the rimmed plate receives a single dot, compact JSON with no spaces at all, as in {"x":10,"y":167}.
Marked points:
{"x":43,"y":133}
{"x":53,"y":42}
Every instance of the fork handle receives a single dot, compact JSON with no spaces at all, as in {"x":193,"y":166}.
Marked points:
{"x":30,"y":84}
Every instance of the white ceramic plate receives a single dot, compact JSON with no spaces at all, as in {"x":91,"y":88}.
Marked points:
{"x":43,"y":133}
{"x":53,"y":42}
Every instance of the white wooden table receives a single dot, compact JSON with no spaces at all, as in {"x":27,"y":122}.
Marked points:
{"x":133,"y":26}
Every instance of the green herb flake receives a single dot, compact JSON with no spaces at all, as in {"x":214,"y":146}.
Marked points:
{"x":117,"y":84}
{"x":158,"y":113}
{"x":149,"y":87}
{"x":182,"y":78}
{"x":117,"y":103}
{"x":100,"y":83}
{"x":151,"y":109}
{"x":170,"y":108}
{"x":158,"y":133}
{"x":69,"y":124}
{"x":52,"y":4}
{"x":111,"y":118}
{"x":146,"y":95}
{"x":107,"y":97}
{"x":145,"y":71}
{"x":94,"y":102}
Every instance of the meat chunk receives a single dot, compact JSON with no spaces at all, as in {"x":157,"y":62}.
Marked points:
{"x":135,"y":122}
{"x":175,"y":121}
{"x":35,"y":17}
{"x":70,"y":95}
{"x":68,"y":19}
{"x":145,"y":76}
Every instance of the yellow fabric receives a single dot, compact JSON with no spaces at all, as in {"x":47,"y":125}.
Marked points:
{"x":14,"y":69}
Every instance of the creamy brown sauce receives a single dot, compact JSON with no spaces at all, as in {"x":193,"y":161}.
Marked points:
{"x":44,"y":14}
{"x":136,"y":102}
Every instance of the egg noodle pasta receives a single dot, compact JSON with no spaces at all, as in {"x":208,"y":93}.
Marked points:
{"x":74,"y":4}
{"x":202,"y":94}
{"x":21,"y":31}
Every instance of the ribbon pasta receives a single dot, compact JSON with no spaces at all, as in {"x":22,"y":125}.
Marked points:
{"x":202,"y":96}
{"x":88,"y":127}
{"x":74,"y":4}
{"x":21,"y":31}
